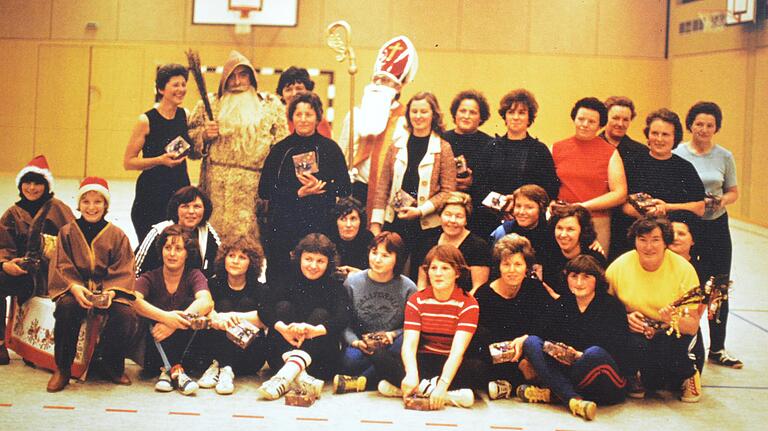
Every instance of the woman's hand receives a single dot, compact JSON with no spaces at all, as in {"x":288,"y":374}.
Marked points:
{"x":391,"y":335}
{"x":81,"y":296}
{"x":161,"y":331}
{"x":211,"y":129}
{"x":409,"y":384}
{"x":409,"y":213}
{"x":636,"y":322}
{"x":223,"y":321}
{"x":658,"y":209}
{"x":437,"y":397}
{"x":12,"y":267}
{"x":360,"y":345}
{"x":375,"y":229}
{"x":290,"y":333}
{"x":175,"y":319}
{"x":346,"y":269}
{"x":463,"y":184}
{"x":595,"y":246}
{"x":517,"y":345}
{"x":169,"y":160}
{"x":310,"y":185}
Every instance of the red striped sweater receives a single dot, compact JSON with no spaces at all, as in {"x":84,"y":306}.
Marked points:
{"x":438,"y":321}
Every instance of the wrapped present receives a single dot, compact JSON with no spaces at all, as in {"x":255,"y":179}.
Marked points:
{"x":402,"y":200}
{"x":299,"y":398}
{"x":100,"y":299}
{"x":197,"y":322}
{"x":502,"y":351}
{"x":305,"y":163}
{"x":561,"y":352}
{"x":375,"y":340}
{"x":642,"y":202}
{"x":496,"y":201}
{"x":178,"y":147}
{"x":417,"y":402}
{"x":461,"y":167}
{"x":242,"y":334}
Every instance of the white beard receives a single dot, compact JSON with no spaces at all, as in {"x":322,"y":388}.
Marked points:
{"x":239,"y":117}
{"x":375,"y":109}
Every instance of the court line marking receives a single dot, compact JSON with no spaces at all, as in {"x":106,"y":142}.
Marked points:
{"x":369,"y":421}
{"x":59,"y":407}
{"x":505,"y":427}
{"x":750,"y":322}
{"x":6,"y":405}
{"x":184,"y":413}
{"x":247,"y":416}
{"x":312,"y":419}
{"x":434,"y":424}
{"x":121,"y":410}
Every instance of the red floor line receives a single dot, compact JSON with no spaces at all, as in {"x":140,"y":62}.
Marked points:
{"x":6,"y":405}
{"x":184,"y":413}
{"x":431,"y":424}
{"x":247,"y":417}
{"x":121,"y":411}
{"x":368,"y":421}
{"x":505,"y":427}
{"x":312,"y":419}
{"x":59,"y":407}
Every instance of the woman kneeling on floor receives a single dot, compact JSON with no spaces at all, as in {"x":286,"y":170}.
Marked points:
{"x":306,"y":318}
{"x":439,"y":323}
{"x":91,"y":276}
{"x":579,"y":353}
{"x":169,"y":297}
{"x":238,"y":299}
{"x":378,"y":295}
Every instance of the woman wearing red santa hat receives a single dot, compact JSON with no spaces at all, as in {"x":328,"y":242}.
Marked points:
{"x":92,"y":277}
{"x":37,"y":213}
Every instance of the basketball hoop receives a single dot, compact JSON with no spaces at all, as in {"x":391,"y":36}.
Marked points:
{"x":713,"y":20}
{"x":244,"y":7}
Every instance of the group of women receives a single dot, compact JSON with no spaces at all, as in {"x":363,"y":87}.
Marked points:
{"x":332,"y":281}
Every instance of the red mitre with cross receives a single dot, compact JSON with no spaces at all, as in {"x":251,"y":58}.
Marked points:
{"x":397,"y":59}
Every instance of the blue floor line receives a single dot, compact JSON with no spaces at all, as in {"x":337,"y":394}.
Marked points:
{"x":750,"y":322}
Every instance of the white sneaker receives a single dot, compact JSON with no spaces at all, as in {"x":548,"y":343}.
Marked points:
{"x":273,"y":388}
{"x":226,"y":383}
{"x":210,"y":377}
{"x":389,"y":390}
{"x":309,"y":384}
{"x":164,"y":382}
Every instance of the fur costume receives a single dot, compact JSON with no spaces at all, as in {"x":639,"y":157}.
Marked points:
{"x":231,"y":170}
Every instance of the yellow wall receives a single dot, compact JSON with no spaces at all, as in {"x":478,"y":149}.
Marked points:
{"x":730,"y":67}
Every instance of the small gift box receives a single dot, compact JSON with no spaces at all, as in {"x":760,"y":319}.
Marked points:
{"x":417,"y":402}
{"x":642,"y":202}
{"x":561,"y":352}
{"x":402,"y":200}
{"x":461,"y":167}
{"x":197,"y":322}
{"x":178,"y":147}
{"x":375,"y":340}
{"x":299,"y":398}
{"x":502,"y":351}
{"x":100,"y":300}
{"x":495,"y":201}
{"x":242,"y":334}
{"x":29,"y":264}
{"x":305,"y":163}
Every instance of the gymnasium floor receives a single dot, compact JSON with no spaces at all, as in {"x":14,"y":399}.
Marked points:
{"x":732,"y":400}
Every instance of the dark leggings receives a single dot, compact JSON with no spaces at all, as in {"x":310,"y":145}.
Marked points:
{"x":663,"y":360}
{"x":20,"y":287}
{"x":390,"y":367}
{"x":715,"y":248}
{"x":120,"y":328}
{"x":325,"y":351}
{"x":179,"y":348}
{"x":243,"y":361}
{"x":594,"y":376}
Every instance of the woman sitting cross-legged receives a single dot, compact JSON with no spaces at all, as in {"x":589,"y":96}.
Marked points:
{"x":306,"y":318}
{"x":168,"y":296}
{"x":378,"y":297}
{"x":92,"y":257}
{"x":439,"y":324}
{"x":238,"y":299}
{"x":593,"y":326}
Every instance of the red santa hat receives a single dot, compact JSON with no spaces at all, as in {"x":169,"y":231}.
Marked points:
{"x":397,"y":59}
{"x":94,"y":184}
{"x":38,"y":165}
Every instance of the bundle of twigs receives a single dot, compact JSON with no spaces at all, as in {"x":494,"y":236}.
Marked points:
{"x":196,"y":70}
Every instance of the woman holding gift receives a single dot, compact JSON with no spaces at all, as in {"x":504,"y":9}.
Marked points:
{"x":163,"y":171}
{"x":93,"y":257}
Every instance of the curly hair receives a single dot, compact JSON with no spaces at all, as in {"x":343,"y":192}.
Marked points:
{"x":190,"y":244}
{"x":452,"y":256}
{"x":165,"y":73}
{"x":666,"y":116}
{"x":593,"y":104}
{"x":186,"y":195}
{"x":710,"y":108}
{"x":587,"y":235}
{"x":306,"y":97}
{"x":320,"y":244}
{"x":437,"y":115}
{"x":647,"y":224}
{"x":393,"y":243}
{"x":346,"y":206}
{"x":512,"y":244}
{"x":519,"y":96}
{"x":482,"y":103}
{"x":247,"y":246}
{"x":294,"y":75}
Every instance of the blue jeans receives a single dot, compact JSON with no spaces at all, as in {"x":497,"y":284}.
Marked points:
{"x":356,"y":363}
{"x":594,"y":376}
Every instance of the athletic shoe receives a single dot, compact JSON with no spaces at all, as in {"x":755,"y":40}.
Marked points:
{"x":184,"y":384}
{"x":636,"y":388}
{"x":534,"y":394}
{"x":343,"y":383}
{"x":310,"y":384}
{"x":273,"y":388}
{"x":691,"y":389}
{"x":389,"y":390}
{"x":583,"y":408}
{"x":210,"y":377}
{"x":457,"y":397}
{"x":226,"y":383}
{"x":164,"y":382}
{"x":724,"y":358}
{"x":498,"y":389}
